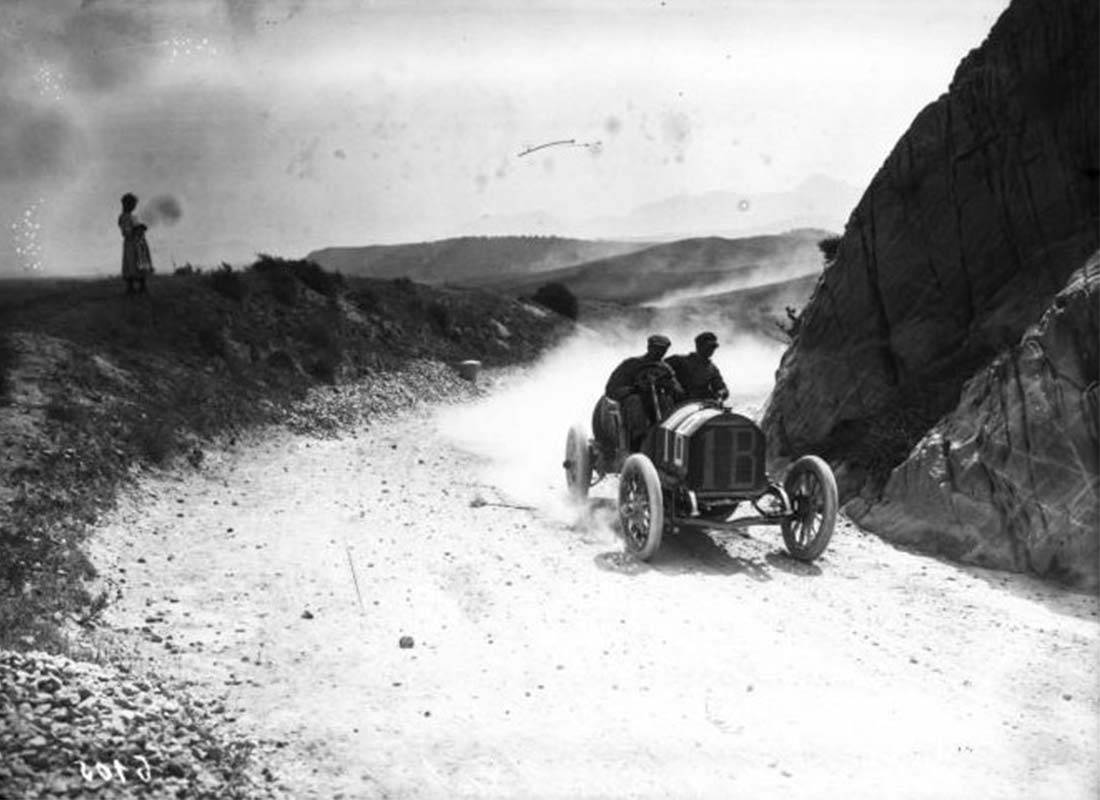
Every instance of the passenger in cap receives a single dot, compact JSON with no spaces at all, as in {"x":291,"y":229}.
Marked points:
{"x":630,"y":384}
{"x":697,"y":373}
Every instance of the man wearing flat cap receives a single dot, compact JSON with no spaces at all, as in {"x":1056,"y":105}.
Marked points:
{"x":630,"y":385}
{"x":697,"y":373}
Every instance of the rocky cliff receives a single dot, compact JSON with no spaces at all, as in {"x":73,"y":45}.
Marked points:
{"x":1009,"y":478}
{"x":977,"y":219}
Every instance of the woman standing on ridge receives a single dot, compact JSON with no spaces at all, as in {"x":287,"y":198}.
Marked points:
{"x":137,"y":262}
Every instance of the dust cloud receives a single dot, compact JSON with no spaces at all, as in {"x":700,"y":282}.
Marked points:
{"x":764,"y":271}
{"x":520,"y":429}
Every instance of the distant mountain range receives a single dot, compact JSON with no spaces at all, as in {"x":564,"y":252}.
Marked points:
{"x":817,"y":202}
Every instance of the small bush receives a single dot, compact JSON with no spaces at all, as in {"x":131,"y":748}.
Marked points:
{"x":557,"y":297}
{"x":440,"y":316}
{"x":281,"y":281}
{"x":65,"y":411}
{"x":7,"y":363}
{"x":228,"y":283}
{"x":326,"y":366}
{"x":284,"y":274}
{"x":282,"y":360}
{"x":187,"y":269}
{"x":312,"y":275}
{"x":829,"y":247}
{"x":154,"y":440}
{"x":211,"y":341}
{"x":318,"y":335}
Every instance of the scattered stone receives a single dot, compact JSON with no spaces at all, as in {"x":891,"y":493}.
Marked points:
{"x":406,"y":642}
{"x":307,"y":614}
{"x":49,"y":685}
{"x":89,"y":716}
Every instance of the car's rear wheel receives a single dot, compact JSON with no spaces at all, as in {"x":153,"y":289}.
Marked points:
{"x":578,"y":463}
{"x":641,"y":506}
{"x":811,"y":487}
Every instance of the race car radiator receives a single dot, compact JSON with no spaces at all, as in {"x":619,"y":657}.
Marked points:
{"x":727,"y":455}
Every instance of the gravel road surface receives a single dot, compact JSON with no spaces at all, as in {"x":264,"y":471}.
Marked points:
{"x":544,"y":664}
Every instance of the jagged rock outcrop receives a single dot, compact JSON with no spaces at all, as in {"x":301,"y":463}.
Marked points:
{"x":975,"y":221}
{"x":1009,"y":479}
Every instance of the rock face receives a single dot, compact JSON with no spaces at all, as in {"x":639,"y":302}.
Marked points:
{"x":1010,"y":478}
{"x":974,"y":222}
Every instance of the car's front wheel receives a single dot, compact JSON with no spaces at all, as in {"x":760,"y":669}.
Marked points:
{"x":641,"y":506}
{"x":811,"y":486}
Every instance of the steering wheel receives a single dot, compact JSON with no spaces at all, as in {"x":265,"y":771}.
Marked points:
{"x":650,"y":375}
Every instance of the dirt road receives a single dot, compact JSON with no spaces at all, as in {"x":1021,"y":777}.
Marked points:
{"x":545,"y":665}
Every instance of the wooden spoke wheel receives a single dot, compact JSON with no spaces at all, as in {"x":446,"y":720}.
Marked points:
{"x":811,"y":487}
{"x":641,"y":506}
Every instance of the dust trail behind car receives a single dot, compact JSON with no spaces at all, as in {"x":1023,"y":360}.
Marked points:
{"x":520,"y":429}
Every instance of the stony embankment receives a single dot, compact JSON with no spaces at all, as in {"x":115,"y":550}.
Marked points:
{"x":74,"y":729}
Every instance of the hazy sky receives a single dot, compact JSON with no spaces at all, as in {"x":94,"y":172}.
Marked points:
{"x":287,"y":125}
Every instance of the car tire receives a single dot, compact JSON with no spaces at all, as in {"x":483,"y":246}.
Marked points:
{"x":641,"y":506}
{"x":811,"y":487}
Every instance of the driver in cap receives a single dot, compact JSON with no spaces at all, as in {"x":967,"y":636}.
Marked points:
{"x":697,"y":373}
{"x":629,"y":384}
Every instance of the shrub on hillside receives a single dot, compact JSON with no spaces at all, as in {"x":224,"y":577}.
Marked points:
{"x":228,"y":283}
{"x":211,"y":341}
{"x":284,"y":286}
{"x":557,"y":297}
{"x":312,"y":275}
{"x":154,"y":440}
{"x":65,"y":411}
{"x":440,"y":316}
{"x":7,"y":362}
{"x":366,"y":299}
{"x":829,"y":247}
{"x":187,"y":269}
{"x":325,"y":366}
{"x":283,"y":275}
{"x":319,"y":334}
{"x":280,"y":279}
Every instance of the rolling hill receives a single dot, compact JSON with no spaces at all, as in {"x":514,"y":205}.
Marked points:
{"x":462,"y":259}
{"x":679,"y":271}
{"x":758,"y":310}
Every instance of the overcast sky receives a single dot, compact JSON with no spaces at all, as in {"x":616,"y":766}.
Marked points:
{"x":283,"y":126}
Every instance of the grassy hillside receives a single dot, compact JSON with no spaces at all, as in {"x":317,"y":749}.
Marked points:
{"x":692,"y":266}
{"x":459,"y":260}
{"x":96,"y":384}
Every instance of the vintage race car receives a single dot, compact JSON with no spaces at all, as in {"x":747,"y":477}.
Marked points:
{"x":695,"y":468}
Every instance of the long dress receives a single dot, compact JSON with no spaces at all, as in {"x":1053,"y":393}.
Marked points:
{"x":137,"y":261}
